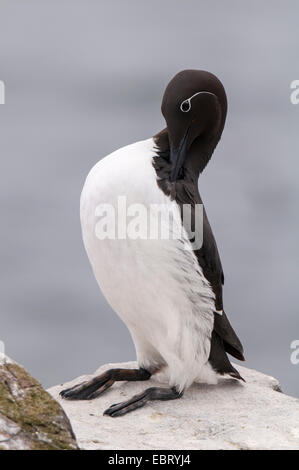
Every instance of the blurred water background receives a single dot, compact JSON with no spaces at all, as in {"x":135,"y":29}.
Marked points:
{"x":86,"y":77}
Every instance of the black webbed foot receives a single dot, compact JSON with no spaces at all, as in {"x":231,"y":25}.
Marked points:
{"x":93,"y":388}
{"x":87,"y":390}
{"x":138,"y":401}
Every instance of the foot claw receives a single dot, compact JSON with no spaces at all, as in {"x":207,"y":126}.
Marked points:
{"x":86,"y":390}
{"x":69,"y":392}
{"x":120,"y":409}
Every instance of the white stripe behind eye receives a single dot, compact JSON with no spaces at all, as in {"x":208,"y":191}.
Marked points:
{"x":189,"y":100}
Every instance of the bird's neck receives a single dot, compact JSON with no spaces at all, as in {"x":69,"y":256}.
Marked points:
{"x":197,"y":158}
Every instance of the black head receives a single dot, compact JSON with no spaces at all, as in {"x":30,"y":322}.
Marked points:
{"x":194,"y":106}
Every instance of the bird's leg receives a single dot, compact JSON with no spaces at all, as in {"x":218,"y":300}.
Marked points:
{"x":94,"y":387}
{"x":137,"y":401}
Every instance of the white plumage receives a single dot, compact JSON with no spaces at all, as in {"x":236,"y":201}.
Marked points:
{"x":155,"y":286}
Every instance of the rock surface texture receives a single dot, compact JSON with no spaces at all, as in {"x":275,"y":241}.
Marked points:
{"x":230,"y":415}
{"x":29,"y":417}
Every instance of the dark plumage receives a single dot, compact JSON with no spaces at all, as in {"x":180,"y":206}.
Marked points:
{"x":184,"y":190}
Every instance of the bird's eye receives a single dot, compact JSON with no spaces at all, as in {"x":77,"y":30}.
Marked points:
{"x":185,"y":106}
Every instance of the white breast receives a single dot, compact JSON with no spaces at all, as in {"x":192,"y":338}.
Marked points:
{"x":155,"y":286}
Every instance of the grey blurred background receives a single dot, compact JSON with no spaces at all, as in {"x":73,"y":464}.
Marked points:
{"x":86,"y":77}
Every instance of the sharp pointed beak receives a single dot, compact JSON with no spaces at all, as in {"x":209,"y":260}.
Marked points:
{"x":178,"y":156}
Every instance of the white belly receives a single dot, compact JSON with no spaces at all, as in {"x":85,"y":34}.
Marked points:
{"x":155,"y":286}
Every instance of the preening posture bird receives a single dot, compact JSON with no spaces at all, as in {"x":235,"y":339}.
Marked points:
{"x":168,"y":292}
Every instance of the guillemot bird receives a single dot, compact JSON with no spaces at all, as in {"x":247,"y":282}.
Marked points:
{"x":167,"y":291}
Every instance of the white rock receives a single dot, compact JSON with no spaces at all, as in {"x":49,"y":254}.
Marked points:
{"x":230,"y":415}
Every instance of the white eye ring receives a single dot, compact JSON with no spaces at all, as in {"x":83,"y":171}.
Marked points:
{"x":188,"y":102}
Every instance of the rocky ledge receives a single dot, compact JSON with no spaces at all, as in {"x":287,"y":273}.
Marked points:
{"x":230,"y":415}
{"x":29,"y":417}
